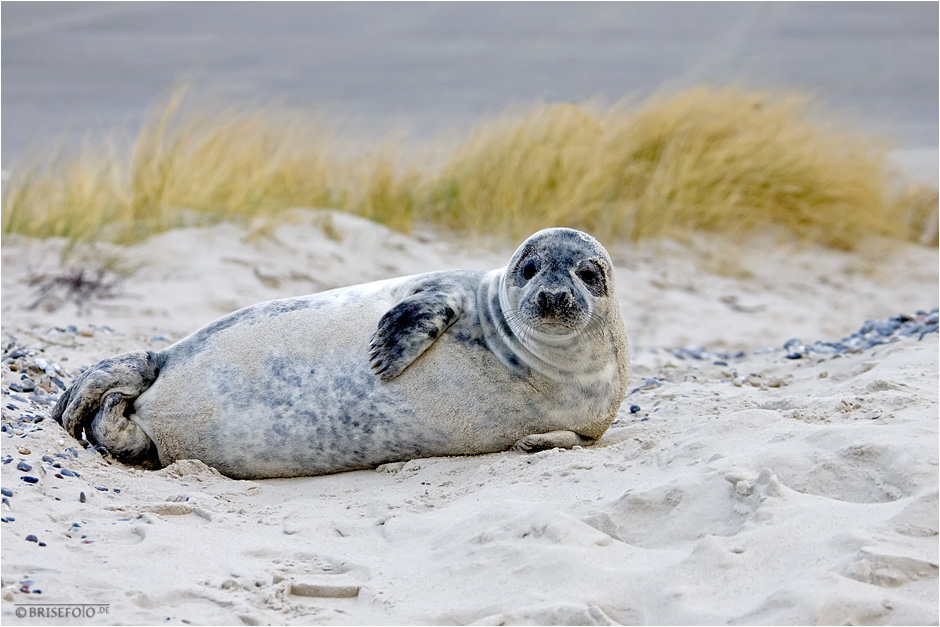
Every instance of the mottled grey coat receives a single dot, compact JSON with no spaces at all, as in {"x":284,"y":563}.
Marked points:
{"x":444,"y":363}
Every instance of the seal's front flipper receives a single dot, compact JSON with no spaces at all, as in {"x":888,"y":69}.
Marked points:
{"x":552,"y":439}
{"x":410,"y":327}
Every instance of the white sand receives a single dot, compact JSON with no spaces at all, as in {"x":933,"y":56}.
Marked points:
{"x":810,"y":503}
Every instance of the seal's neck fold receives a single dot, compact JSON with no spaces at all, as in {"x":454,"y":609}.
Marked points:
{"x":522,"y":348}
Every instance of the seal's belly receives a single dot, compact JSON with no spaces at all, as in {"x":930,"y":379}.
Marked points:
{"x":293,"y":394}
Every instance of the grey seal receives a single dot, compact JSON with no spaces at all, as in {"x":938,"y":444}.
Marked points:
{"x":530,"y":356}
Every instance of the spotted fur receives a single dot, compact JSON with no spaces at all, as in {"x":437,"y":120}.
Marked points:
{"x":533,"y":355}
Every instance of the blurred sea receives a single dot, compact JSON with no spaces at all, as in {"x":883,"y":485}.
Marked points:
{"x":71,"y":67}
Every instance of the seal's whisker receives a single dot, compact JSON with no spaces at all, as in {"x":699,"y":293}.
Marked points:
{"x":594,"y":326}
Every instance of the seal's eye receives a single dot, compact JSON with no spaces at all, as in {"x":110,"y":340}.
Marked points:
{"x":529,"y":270}
{"x":593,"y":278}
{"x":588,"y":275}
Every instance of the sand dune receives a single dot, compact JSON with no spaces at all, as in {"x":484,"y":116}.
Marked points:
{"x":755,"y":490}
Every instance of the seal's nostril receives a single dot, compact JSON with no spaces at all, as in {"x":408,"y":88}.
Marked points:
{"x":550,"y":301}
{"x":544,"y":300}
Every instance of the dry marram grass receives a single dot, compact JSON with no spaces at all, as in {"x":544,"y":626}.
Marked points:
{"x":724,"y":159}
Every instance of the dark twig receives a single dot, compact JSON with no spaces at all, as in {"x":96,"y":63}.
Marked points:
{"x":79,"y":286}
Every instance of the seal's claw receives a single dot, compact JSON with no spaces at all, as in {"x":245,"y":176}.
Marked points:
{"x":552,"y":439}
{"x":524,"y":445}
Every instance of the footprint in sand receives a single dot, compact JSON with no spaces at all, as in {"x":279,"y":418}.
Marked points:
{"x":889,"y":569}
{"x":686,"y":509}
{"x":293,"y":583}
{"x":558,"y":614}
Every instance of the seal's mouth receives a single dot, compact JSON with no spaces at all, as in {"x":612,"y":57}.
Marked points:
{"x":554,"y":327}
{"x":558,"y":316}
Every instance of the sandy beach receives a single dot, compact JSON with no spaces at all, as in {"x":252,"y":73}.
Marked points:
{"x":775,"y":458}
{"x":736,"y":486}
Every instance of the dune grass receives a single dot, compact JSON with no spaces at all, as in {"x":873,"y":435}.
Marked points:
{"x":721,"y":159}
{"x":193,"y":165}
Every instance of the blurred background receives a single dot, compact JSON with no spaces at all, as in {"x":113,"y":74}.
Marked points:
{"x":399,"y":112}
{"x":70,"y":67}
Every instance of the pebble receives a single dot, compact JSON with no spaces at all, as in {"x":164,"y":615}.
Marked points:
{"x":6,"y":491}
{"x":875,"y":332}
{"x":634,"y":409}
{"x":69,"y":473}
{"x":39,"y":384}
{"x":871,"y":334}
{"x":29,"y":479}
{"x":98,"y":487}
{"x":6,"y":459}
{"x":81,"y":497}
{"x":23,"y":466}
{"x":32,"y":538}
{"x":48,"y":460}
{"x":693,"y":352}
{"x":23,"y":386}
{"x":933,"y":328}
{"x":648,"y":384}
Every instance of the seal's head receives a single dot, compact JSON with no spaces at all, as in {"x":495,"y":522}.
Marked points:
{"x":558,"y":284}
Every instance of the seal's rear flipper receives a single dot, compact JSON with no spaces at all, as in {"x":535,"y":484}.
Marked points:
{"x":100,"y":401}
